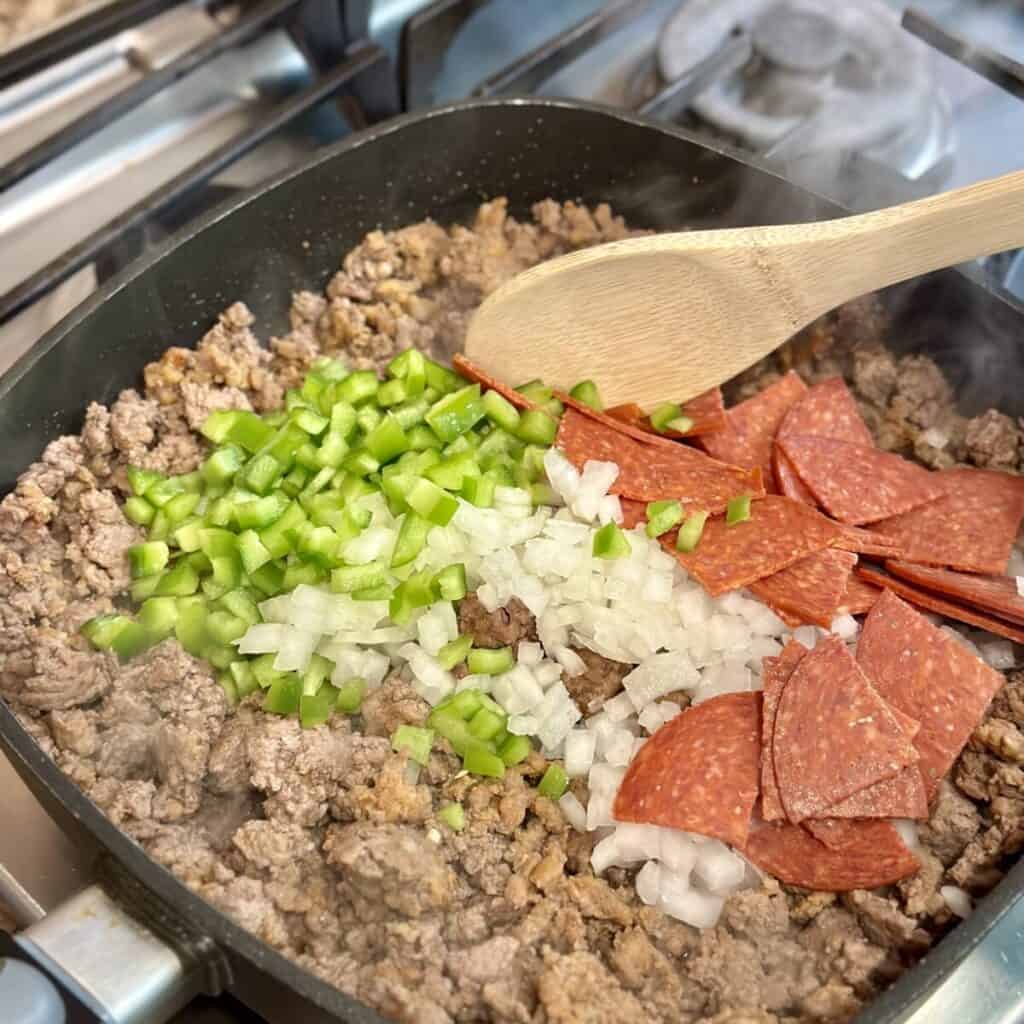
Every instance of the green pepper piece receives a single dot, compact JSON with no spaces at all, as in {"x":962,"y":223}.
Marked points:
{"x":455,"y":651}
{"x":149,"y":558}
{"x":246,"y":430}
{"x":690,"y":532}
{"x":440,"y":378}
{"x":414,"y":741}
{"x":485,"y":724}
{"x":479,"y":491}
{"x":456,"y":413}
{"x":586,"y":392}
{"x":610,"y":542}
{"x":133,"y":639}
{"x":489,"y":661}
{"x":222,"y":465}
{"x":663,"y":414}
{"x":158,"y":616}
{"x":140,"y":480}
{"x":268,"y":579}
{"x":139,"y":511}
{"x":358,"y":387}
{"x":239,"y":603}
{"x":244,"y":677}
{"x":284,"y":695}
{"x":350,"y":695}
{"x":387,"y":440}
{"x":262,"y":512}
{"x":429,"y":501}
{"x":315,"y":709}
{"x":412,"y":536}
{"x":453,"y":816}
{"x":500,"y":411}
{"x":101,"y":630}
{"x":515,"y":749}
{"x":662,"y":516}
{"x":537,"y":427}
{"x":554,"y":783}
{"x":181,"y":581}
{"x":478,"y":760}
{"x":451,"y":582}
{"x":738,"y":510}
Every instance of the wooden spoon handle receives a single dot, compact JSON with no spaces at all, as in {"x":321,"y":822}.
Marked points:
{"x":855,"y":255}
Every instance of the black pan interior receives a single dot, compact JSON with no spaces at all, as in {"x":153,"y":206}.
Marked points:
{"x":293,"y":235}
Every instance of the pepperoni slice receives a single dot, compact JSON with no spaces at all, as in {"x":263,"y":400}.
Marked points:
{"x":972,"y":528}
{"x":633,"y":512}
{"x":751,"y":426}
{"x":658,"y":471}
{"x":866,"y":542}
{"x":942,"y":606}
{"x":826,"y":410}
{"x":787,"y":480}
{"x":858,"y":484}
{"x":995,"y":594}
{"x":860,"y":597}
{"x":834,"y":734}
{"x":860,"y":854}
{"x":902,"y":796}
{"x":617,"y":424}
{"x":775,"y":673}
{"x":778,"y":533}
{"x":471,"y":371}
{"x":698,"y":772}
{"x":812,"y":589}
{"x":707,"y":412}
{"x":930,"y":677}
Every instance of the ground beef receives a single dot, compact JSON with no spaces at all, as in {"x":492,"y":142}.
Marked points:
{"x":319,"y":841}
{"x":501,"y":628}
{"x":21,"y":17}
{"x":601,"y":679}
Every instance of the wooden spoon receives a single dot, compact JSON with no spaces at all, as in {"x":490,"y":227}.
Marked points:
{"x":669,"y":316}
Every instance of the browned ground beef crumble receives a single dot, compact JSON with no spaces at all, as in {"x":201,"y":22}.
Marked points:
{"x":314,"y":841}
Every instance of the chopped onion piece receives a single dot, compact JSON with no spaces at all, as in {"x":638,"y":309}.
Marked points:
{"x":263,"y":638}
{"x":956,"y":899}
{"x":574,"y":811}
{"x":580,"y":746}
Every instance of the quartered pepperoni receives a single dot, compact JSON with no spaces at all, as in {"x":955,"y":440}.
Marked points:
{"x":810,"y":590}
{"x":867,"y":542}
{"x":931,"y":602}
{"x":859,"y":597}
{"x":698,"y":772}
{"x":775,"y":673}
{"x":654,"y":471}
{"x":995,"y":594}
{"x":707,"y":413}
{"x":826,"y":410}
{"x":778,"y":533}
{"x":834,"y":735}
{"x":859,"y":854}
{"x":972,"y":527}
{"x":928,"y":676}
{"x":471,"y":371}
{"x":858,"y":484}
{"x":751,"y":426}
{"x":902,"y":796}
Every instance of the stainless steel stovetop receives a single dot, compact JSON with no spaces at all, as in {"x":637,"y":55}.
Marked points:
{"x":199,"y":128}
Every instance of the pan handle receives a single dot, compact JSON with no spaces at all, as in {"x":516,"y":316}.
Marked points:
{"x":90,"y":960}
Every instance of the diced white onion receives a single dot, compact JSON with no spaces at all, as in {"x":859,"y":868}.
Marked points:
{"x":956,"y":899}
{"x":574,"y":811}
{"x":263,"y":638}
{"x":580,"y":746}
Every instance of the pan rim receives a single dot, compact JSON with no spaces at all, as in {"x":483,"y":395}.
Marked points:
{"x":31,"y":761}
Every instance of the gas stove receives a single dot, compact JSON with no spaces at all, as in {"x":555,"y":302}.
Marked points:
{"x":127,"y":118}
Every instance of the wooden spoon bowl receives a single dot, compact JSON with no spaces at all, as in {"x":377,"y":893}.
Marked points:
{"x":670,"y":316}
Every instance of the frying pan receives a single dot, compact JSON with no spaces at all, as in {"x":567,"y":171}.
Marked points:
{"x":293,"y":233}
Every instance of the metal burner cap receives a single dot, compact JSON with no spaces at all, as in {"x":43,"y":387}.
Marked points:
{"x":798,"y":39}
